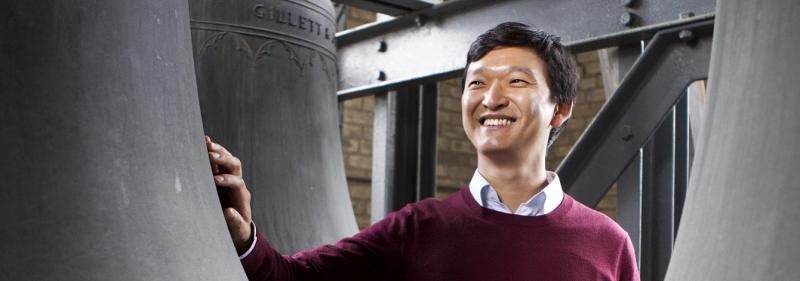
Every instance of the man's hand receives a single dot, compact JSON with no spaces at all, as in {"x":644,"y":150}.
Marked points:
{"x":234,"y":196}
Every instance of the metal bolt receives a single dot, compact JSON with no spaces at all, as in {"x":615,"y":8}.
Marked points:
{"x":626,"y":19}
{"x":685,"y":15}
{"x":687,"y":36}
{"x":420,"y":20}
{"x":382,"y":47}
{"x":381,"y":75}
{"x":626,"y":133}
{"x":626,"y":3}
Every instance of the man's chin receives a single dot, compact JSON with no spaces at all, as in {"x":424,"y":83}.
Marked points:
{"x":494,"y":149}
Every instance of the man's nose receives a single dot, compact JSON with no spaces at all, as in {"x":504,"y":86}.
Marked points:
{"x":495,"y":98}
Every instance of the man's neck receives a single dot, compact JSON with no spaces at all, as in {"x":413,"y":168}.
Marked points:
{"x":515,"y":180}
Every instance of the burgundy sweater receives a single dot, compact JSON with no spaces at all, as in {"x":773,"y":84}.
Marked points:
{"x":457,"y":239}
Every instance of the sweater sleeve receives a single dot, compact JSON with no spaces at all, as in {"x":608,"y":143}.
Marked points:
{"x":376,"y":253}
{"x":628,"y":269}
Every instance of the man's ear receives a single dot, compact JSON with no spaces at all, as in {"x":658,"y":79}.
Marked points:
{"x":562,"y":112}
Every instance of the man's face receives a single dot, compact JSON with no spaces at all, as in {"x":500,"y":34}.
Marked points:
{"x":506,"y":105}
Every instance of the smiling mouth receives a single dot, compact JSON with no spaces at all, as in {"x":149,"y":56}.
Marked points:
{"x":496,"y":122}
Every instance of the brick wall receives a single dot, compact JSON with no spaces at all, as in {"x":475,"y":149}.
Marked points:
{"x":590,"y":98}
{"x":456,"y":156}
{"x":357,"y":149}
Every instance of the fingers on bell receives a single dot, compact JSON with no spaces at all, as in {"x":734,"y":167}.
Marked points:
{"x":228,"y":161}
{"x":227,"y":180}
{"x":232,"y":214}
{"x":209,"y":143}
{"x":214,"y":156}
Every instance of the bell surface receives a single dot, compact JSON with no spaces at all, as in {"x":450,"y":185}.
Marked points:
{"x":741,"y":218}
{"x":105,"y":172}
{"x":266,"y":74}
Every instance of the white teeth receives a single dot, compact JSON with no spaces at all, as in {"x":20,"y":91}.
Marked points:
{"x":497,"y":122}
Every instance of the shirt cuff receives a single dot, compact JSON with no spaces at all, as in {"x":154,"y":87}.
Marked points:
{"x":252,"y":245}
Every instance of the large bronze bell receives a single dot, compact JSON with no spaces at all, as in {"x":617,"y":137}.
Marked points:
{"x":741,"y":219}
{"x":104,"y":172}
{"x":266,"y":73}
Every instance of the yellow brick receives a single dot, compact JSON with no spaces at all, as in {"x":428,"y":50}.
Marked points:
{"x":592,"y":68}
{"x":462,"y":146}
{"x":441,"y":169}
{"x":587,"y":83}
{"x":350,"y":146}
{"x":360,"y":189}
{"x":449,"y":119}
{"x":352,"y":131}
{"x":452,"y":132}
{"x":353,"y":23}
{"x":356,"y":13}
{"x":442,"y":144}
{"x":580,"y":109}
{"x":450,"y":104}
{"x":455,"y":82}
{"x":368,"y":132}
{"x":352,"y":104}
{"x":586,"y":57}
{"x":359,"y":162}
{"x":596,"y":96}
{"x":365,"y":147}
{"x":357,"y":173}
{"x":358,"y":117}
{"x":363,"y":221}
{"x":369,"y":103}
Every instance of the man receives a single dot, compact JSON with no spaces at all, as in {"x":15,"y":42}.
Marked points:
{"x":513,"y":221}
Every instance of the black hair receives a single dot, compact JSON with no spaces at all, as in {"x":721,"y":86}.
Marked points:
{"x":562,"y":74}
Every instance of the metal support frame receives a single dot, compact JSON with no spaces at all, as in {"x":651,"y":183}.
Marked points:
{"x":651,"y":192}
{"x":628,"y":142}
{"x":427,"y":38}
{"x":629,"y":202}
{"x":682,"y":139}
{"x":630,"y":117}
{"x":658,"y":179}
{"x":428,"y":129}
{"x":389,"y":7}
{"x":404,"y":148}
{"x":629,"y":183}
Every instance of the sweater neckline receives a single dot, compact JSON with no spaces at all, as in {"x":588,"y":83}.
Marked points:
{"x":501,"y":217}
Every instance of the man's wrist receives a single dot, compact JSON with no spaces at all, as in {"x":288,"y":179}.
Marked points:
{"x":251,"y":242}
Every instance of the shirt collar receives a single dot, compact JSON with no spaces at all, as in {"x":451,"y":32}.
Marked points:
{"x":486,"y":196}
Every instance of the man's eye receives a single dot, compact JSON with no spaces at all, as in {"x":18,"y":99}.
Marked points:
{"x":518,"y":81}
{"x":475,"y":83}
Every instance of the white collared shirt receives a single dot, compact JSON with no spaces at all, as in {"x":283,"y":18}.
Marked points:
{"x":541,"y":203}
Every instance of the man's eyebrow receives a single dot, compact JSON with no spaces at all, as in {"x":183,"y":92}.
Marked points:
{"x":521,"y":69}
{"x":506,"y":69}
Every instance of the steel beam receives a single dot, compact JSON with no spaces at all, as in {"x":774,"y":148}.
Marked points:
{"x":385,"y":169}
{"x":644,"y":98}
{"x":426,"y":153}
{"x":431,"y":44}
{"x":629,"y":202}
{"x":389,"y":7}
{"x":681,"y":157}
{"x":658,"y":201}
{"x":404,"y":148}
